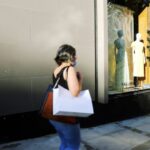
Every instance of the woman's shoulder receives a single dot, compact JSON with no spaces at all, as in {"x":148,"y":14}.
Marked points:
{"x":56,"y":71}
{"x":71,"y":69}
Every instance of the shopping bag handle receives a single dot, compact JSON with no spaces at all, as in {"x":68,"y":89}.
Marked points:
{"x":57,"y":81}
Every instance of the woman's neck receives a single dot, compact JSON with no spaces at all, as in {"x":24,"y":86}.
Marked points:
{"x":65,"y":64}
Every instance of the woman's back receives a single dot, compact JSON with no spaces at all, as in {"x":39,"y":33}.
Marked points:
{"x":62,"y":73}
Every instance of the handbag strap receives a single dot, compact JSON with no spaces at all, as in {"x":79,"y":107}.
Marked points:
{"x":60,"y":73}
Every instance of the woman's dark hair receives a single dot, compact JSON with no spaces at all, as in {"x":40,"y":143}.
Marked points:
{"x":65,"y":53}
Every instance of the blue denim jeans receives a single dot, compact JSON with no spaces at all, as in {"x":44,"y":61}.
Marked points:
{"x":69,"y":135}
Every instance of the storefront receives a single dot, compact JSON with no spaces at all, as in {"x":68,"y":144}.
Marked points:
{"x":128,"y":46}
{"x":31,"y":34}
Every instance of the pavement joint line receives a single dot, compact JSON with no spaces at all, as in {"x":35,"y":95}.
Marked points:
{"x":87,"y":146}
{"x":115,"y":123}
{"x":134,"y":130}
{"x":13,"y":145}
{"x":143,"y":146}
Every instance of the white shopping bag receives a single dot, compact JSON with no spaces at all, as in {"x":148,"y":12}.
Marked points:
{"x":67,"y":105}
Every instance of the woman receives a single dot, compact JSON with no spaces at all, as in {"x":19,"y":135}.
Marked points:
{"x":69,"y":133}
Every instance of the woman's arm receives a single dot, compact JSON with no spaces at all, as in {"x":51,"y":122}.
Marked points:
{"x":80,"y":79}
{"x":74,"y":84}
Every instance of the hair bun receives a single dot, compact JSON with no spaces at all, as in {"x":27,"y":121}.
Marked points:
{"x":65,"y":53}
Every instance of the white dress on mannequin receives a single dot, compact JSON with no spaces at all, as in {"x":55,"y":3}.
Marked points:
{"x":126,"y":71}
{"x":138,"y":58}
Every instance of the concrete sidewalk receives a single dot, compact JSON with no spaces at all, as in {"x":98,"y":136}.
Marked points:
{"x":132,"y":134}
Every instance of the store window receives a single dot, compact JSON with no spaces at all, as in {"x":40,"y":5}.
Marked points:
{"x":128,"y":45}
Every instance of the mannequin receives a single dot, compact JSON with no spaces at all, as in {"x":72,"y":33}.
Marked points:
{"x":119,"y":55}
{"x":138,"y":59}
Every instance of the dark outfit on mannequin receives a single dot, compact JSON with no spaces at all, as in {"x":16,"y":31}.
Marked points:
{"x":120,"y":61}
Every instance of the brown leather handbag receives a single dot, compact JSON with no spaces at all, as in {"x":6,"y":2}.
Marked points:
{"x":46,"y":110}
